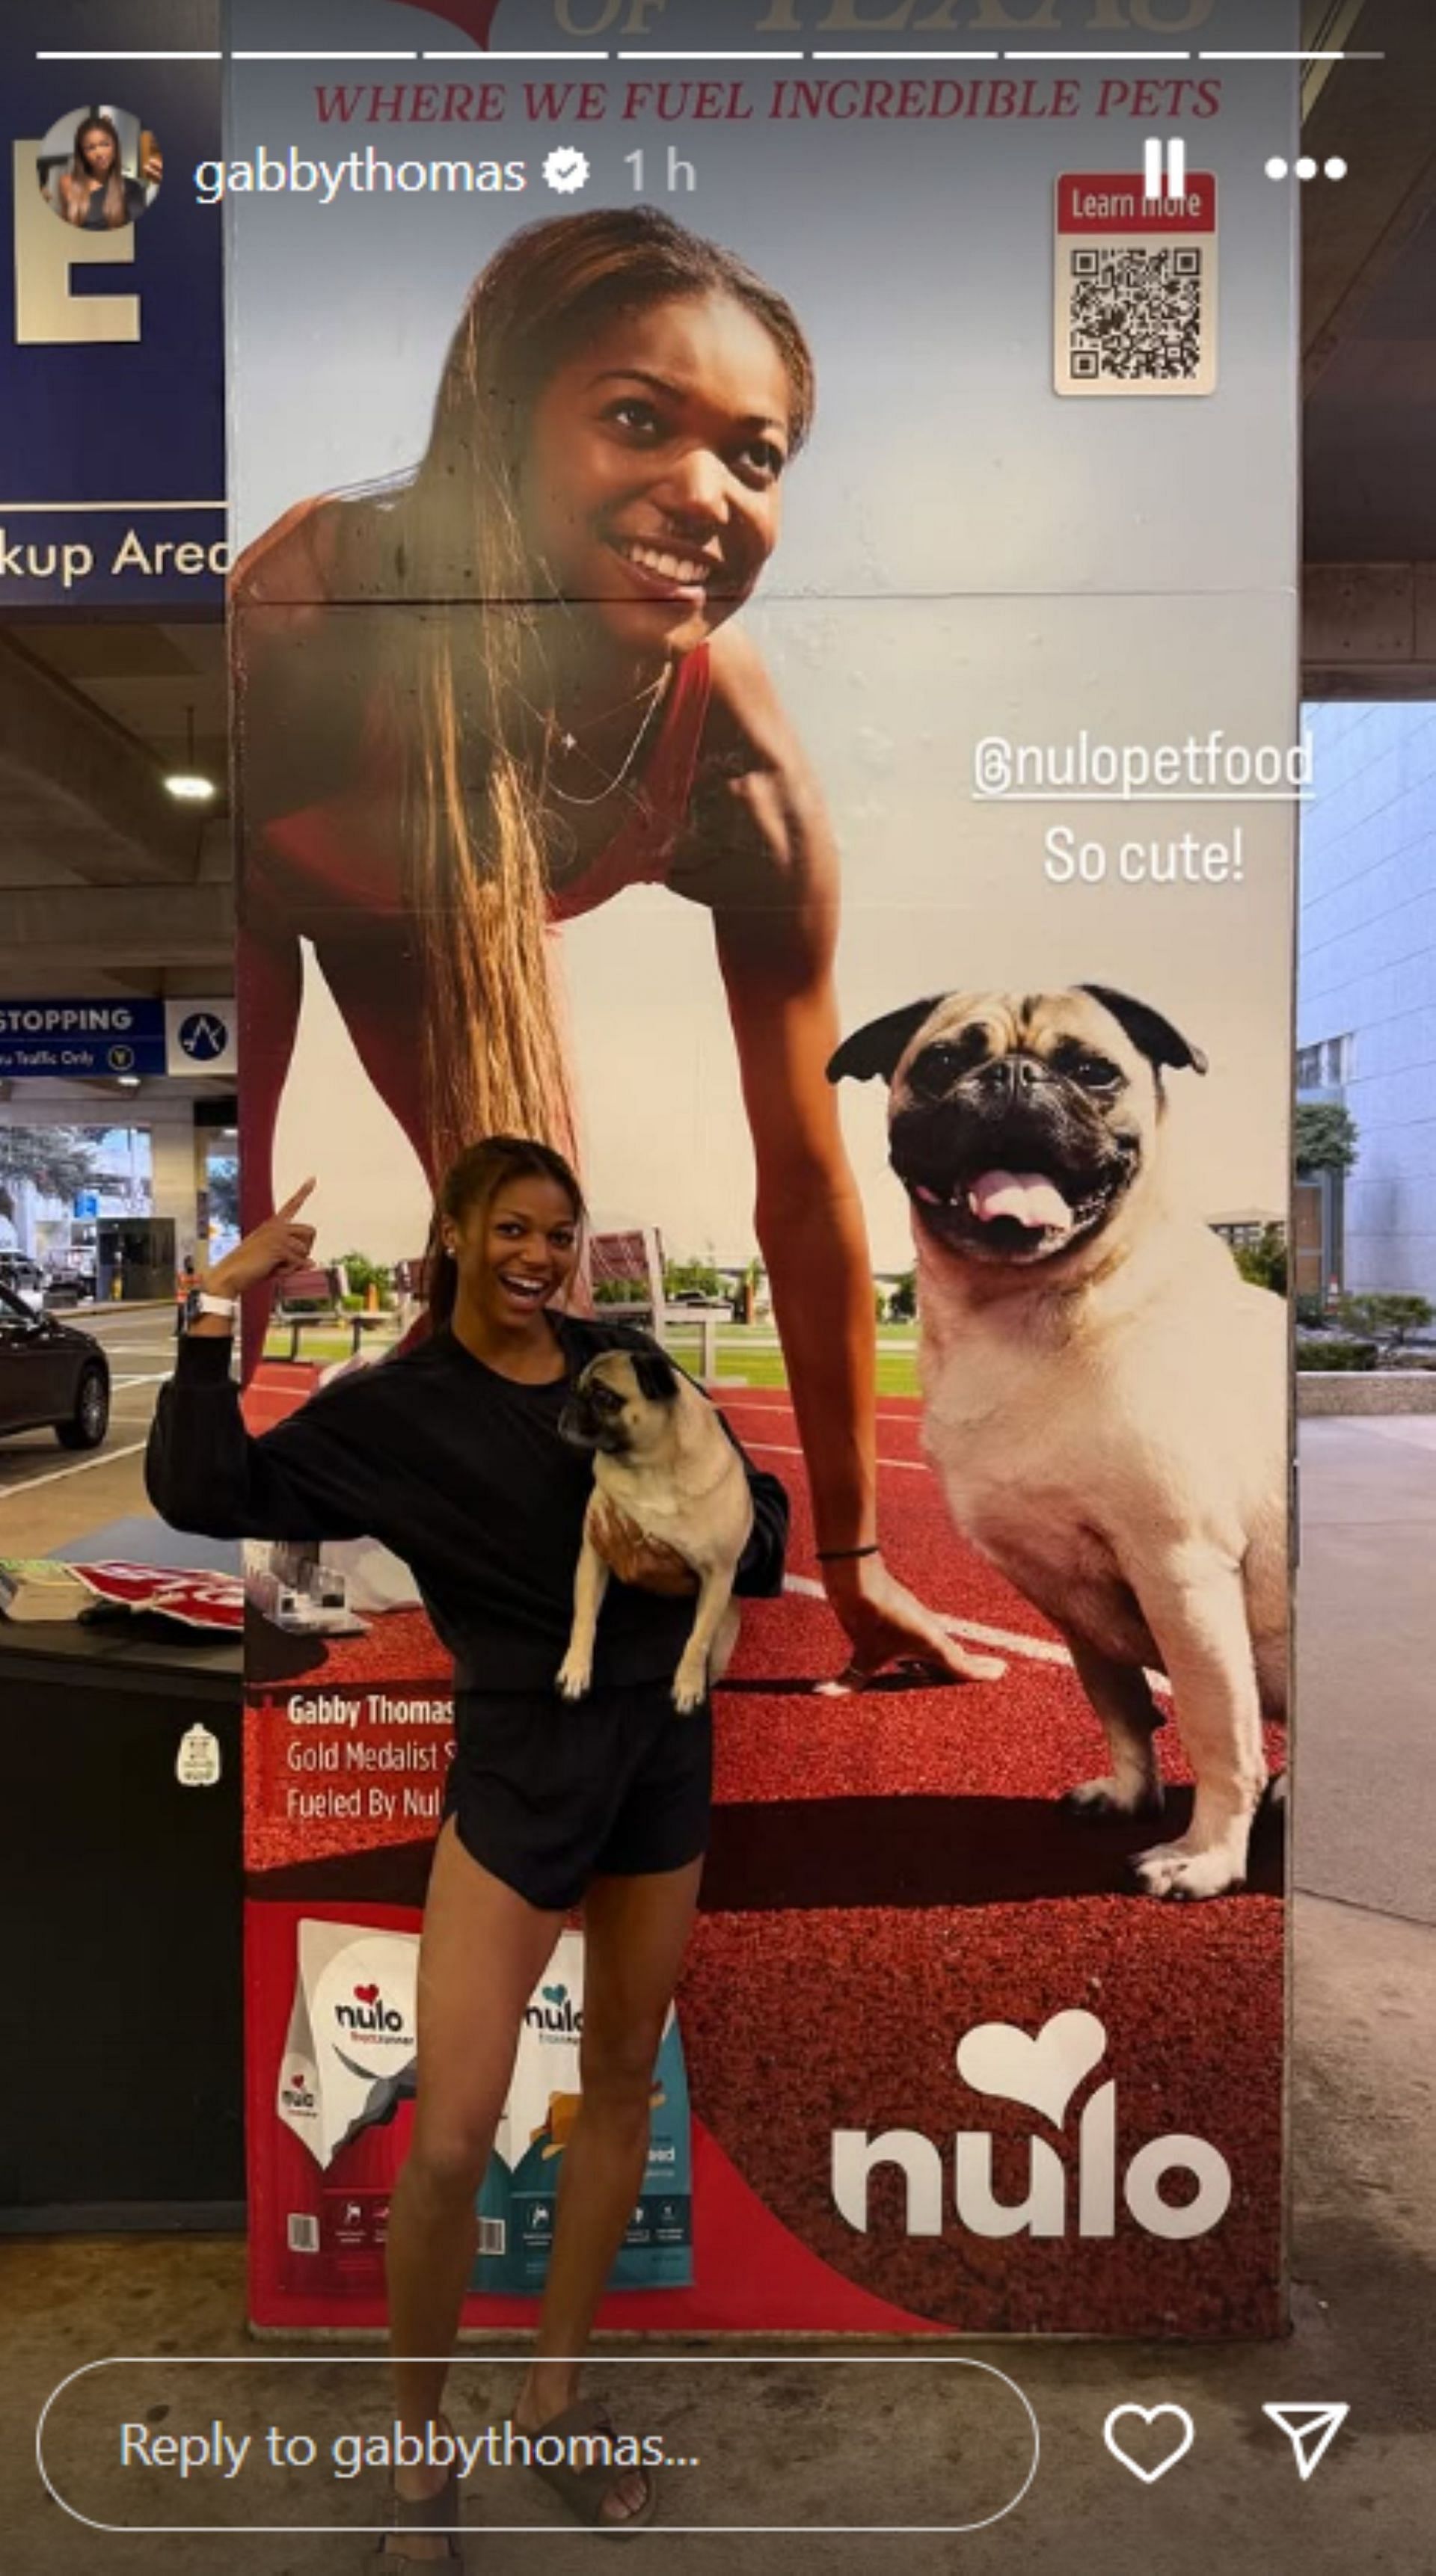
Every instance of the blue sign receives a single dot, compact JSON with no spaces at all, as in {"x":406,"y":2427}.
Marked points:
{"x":71,"y":1039}
{"x":111,"y":341}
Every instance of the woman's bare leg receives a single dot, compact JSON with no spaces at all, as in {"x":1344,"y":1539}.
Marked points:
{"x":483,"y":1951}
{"x":634,"y":1930}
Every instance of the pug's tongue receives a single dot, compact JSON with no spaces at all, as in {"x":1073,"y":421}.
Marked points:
{"x":1028,"y":1196}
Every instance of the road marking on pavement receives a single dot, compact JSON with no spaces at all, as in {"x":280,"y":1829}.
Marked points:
{"x":101,"y":1458}
{"x":156,"y":1377}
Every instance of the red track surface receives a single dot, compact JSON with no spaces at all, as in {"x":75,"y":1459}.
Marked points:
{"x":889,"y":1868}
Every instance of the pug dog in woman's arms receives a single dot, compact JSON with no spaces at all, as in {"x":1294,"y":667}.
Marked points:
{"x":1105,"y":1396}
{"x":662,"y":1458}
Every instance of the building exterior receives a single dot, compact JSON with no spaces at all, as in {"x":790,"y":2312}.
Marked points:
{"x":1366,"y":979}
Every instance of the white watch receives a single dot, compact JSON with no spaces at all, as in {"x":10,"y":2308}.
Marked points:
{"x":198,"y":1303}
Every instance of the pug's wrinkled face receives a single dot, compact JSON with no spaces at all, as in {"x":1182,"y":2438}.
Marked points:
{"x":622,"y":1403}
{"x":1019,"y":1124}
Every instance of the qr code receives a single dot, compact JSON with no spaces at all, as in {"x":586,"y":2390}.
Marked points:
{"x":303,"y":2234}
{"x":1135,"y":315}
{"x":493,"y":2235}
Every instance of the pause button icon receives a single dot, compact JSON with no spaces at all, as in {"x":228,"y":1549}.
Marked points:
{"x":1164,"y":168}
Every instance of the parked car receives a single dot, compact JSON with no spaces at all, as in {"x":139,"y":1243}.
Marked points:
{"x":24,"y":1278}
{"x":51,"y":1375}
{"x":68,"y":1287}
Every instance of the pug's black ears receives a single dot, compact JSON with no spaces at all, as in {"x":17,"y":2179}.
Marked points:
{"x":657,"y":1377}
{"x":1156,"y":1037}
{"x":881,"y":1046}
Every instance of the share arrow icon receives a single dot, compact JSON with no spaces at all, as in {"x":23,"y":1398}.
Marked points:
{"x":1311,"y":2430}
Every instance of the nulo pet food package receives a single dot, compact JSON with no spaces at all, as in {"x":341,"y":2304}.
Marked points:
{"x":520,"y":2193}
{"x":348,"y":2065}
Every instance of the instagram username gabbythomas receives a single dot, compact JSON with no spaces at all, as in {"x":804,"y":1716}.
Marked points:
{"x":263,"y":173}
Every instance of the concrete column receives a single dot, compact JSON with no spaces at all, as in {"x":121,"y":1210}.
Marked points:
{"x":172,"y":1148}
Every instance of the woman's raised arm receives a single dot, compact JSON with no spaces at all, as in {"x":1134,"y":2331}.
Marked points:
{"x":763,"y":857}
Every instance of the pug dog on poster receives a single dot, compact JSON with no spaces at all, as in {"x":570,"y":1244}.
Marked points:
{"x":1105,"y":1397}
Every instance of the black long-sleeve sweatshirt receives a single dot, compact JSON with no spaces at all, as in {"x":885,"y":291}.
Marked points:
{"x":463,"y":1474}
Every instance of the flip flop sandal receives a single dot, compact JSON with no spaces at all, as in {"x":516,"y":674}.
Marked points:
{"x":585,"y":2491}
{"x":421,"y":2513}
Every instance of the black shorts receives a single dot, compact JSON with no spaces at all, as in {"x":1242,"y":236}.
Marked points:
{"x":548,"y":1793}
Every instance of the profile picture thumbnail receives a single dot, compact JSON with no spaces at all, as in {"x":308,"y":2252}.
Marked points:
{"x":99,"y":168}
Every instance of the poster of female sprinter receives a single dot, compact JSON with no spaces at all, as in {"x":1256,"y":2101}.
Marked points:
{"x":764,"y":670}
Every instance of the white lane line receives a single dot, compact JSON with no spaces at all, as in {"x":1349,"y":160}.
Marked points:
{"x":1039,"y":1650}
{"x":785,"y":1449}
{"x":734,"y":1403}
{"x":1043,"y":1650}
{"x":101,"y":1458}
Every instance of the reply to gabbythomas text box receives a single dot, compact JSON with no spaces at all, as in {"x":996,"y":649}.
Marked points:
{"x":307,"y":2443}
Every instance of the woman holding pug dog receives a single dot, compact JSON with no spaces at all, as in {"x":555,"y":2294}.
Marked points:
{"x":554,"y":702}
{"x":451,"y":1454}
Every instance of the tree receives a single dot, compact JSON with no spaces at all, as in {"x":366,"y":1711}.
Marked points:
{"x":58,"y":1162}
{"x":1324,"y":1137}
{"x":361,"y":1272}
{"x":694,"y":1278}
{"x":222,"y":1186}
{"x":1388,"y":1316}
{"x":902,"y":1304}
{"x":1264,"y":1262}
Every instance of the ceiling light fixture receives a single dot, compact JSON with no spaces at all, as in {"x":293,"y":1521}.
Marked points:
{"x":189,"y":786}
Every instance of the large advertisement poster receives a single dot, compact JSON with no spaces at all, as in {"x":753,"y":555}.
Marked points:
{"x":765,"y":651}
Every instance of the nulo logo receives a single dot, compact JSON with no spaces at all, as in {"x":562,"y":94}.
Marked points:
{"x":368,"y":2011}
{"x":1043,"y":2074}
{"x":552,"y":2015}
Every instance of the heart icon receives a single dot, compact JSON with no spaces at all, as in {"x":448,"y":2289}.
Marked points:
{"x":366,"y":1994}
{"x":1148,"y":2415}
{"x":1043,"y":2072}
{"x":554,"y":1994}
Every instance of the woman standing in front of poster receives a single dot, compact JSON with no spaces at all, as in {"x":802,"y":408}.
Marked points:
{"x":486,"y":699}
{"x":453,"y":1454}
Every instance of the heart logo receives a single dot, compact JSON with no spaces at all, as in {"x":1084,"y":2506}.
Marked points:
{"x":554,"y":1994}
{"x":1044,"y":2072}
{"x":366,"y":1994}
{"x":473,"y":18}
{"x":1149,"y":2415}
